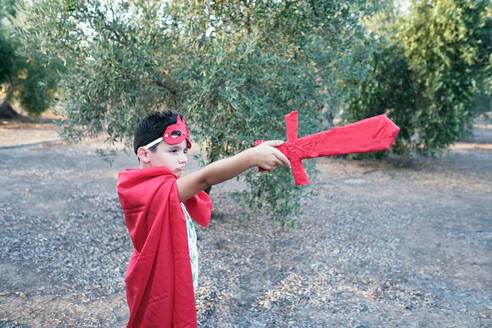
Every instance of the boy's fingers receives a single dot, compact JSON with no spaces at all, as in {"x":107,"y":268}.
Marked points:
{"x":283,"y":159}
{"x":279,"y":158}
{"x":273,"y":143}
{"x":278,"y":154}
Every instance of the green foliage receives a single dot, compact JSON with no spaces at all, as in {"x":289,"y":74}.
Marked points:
{"x":388,"y":89}
{"x":35,"y":85}
{"x":6,"y":56}
{"x":269,"y":195}
{"x":427,"y":72}
{"x":483,"y":98}
{"x":26,"y":74}
{"x":234,"y":68}
{"x":6,"y":45}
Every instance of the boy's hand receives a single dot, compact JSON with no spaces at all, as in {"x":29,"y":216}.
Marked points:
{"x":267,"y":157}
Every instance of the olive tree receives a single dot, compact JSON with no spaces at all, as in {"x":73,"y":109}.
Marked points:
{"x":234,"y":68}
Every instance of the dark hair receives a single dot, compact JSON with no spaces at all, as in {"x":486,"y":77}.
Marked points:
{"x":152,"y":127}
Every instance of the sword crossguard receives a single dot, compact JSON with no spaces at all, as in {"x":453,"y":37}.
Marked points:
{"x":291,"y":150}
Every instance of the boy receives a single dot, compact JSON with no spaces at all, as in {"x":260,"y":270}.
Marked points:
{"x":158,"y":204}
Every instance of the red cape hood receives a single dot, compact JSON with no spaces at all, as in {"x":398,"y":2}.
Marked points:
{"x":159,"y":284}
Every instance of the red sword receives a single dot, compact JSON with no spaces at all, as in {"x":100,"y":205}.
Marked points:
{"x":372,"y":134}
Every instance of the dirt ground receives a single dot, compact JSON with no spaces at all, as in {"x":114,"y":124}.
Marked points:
{"x":380,"y":244}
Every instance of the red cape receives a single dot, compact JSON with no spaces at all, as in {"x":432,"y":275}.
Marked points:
{"x":159,"y":284}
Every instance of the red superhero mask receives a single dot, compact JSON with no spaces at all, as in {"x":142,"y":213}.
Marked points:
{"x":173,"y":135}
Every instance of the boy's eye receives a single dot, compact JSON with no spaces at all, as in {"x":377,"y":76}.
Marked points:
{"x":176,"y":133}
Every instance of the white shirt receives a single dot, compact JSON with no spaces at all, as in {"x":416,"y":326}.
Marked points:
{"x":192,"y":245}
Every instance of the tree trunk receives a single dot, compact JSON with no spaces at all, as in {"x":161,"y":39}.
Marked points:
{"x":327,"y":116}
{"x":7,"y":112}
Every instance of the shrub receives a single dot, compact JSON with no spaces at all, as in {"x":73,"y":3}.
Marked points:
{"x":427,"y":72}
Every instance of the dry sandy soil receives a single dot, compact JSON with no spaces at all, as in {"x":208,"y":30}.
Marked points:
{"x":380,"y":245}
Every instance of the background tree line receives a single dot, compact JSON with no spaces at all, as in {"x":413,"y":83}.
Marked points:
{"x":430,"y":72}
{"x":235,"y":67}
{"x":27,"y":76}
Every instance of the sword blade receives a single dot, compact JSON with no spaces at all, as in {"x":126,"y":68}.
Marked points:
{"x":372,"y":134}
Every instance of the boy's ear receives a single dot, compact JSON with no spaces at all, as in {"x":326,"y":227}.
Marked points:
{"x":143,"y":155}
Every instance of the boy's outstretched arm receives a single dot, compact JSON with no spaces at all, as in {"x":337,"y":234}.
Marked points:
{"x":265,"y":156}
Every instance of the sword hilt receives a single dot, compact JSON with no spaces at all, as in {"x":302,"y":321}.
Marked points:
{"x":291,"y":151}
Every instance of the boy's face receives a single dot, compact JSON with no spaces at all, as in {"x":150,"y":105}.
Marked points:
{"x":173,"y":157}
